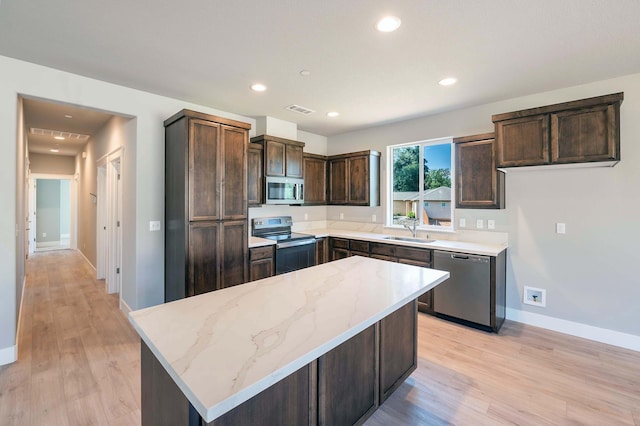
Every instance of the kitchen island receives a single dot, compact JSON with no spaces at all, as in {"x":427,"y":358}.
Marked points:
{"x":322,"y":345}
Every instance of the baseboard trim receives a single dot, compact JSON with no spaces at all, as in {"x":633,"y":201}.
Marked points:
{"x":602,"y":335}
{"x":24,"y":284}
{"x":8,"y":355}
{"x":124,"y":307}
{"x":85,"y":258}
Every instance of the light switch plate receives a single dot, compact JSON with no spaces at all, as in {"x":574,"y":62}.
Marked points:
{"x":373,"y":218}
{"x":561,"y":228}
{"x":480,"y":224}
{"x":491,"y":224}
{"x":306,"y":216}
{"x":154,"y":225}
{"x":462,"y":222}
{"x":341,"y":216}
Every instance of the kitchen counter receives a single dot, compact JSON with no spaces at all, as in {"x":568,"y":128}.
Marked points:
{"x":260,"y":242}
{"x":446,"y":245}
{"x":224,"y":347}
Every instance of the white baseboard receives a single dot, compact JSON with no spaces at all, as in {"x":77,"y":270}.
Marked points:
{"x":8,"y":355}
{"x":124,"y":307}
{"x":85,"y":258}
{"x":603,"y":335}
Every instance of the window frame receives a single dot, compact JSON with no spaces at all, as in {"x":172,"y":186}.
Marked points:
{"x":420,"y":207}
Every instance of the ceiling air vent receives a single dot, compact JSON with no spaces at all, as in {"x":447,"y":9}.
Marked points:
{"x":55,"y":133}
{"x":299,"y":109}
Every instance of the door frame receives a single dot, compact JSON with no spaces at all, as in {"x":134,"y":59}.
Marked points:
{"x":73,"y":199}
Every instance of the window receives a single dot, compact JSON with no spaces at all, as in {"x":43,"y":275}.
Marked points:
{"x":426,"y":165}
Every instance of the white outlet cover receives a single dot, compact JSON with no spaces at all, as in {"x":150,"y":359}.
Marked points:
{"x":154,"y":225}
{"x":491,"y":224}
{"x":462,"y":222}
{"x":373,"y":218}
{"x":561,"y":228}
{"x":480,"y":224}
{"x":306,"y":216}
{"x":341,"y":215}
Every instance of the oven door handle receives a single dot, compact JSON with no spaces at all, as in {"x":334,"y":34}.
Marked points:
{"x":288,"y":244}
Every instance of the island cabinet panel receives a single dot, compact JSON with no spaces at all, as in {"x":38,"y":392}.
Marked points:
{"x":348,"y":380}
{"x":479,"y":184}
{"x":315,"y":179}
{"x":254,"y":175}
{"x":398,"y":330}
{"x":205,"y":203}
{"x":582,"y":131}
{"x":261,"y":262}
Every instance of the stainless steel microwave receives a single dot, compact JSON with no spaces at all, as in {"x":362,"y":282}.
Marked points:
{"x":284,"y":190}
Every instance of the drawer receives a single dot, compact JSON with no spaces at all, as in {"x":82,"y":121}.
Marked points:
{"x":383,"y":249}
{"x":415,"y":263}
{"x":383,"y":257}
{"x":410,"y":253}
{"x":361,"y":246}
{"x":339,"y":243}
{"x":359,"y":253}
{"x":258,"y":253}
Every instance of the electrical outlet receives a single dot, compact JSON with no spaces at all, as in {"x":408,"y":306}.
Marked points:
{"x":44,"y":234}
{"x":491,"y":224}
{"x":154,"y":225}
{"x":462,"y":222}
{"x":306,"y":216}
{"x":480,"y":224}
{"x":373,"y":218}
{"x":341,"y":216}
{"x":561,"y":228}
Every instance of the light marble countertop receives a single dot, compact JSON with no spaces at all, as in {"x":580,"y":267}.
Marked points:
{"x":260,"y":242}
{"x":447,"y":245}
{"x":224,"y":347}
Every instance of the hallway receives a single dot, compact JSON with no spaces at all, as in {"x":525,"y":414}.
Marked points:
{"x":79,"y":359}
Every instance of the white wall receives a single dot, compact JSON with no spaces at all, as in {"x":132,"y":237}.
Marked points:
{"x":144,"y":165}
{"x":591,"y":273}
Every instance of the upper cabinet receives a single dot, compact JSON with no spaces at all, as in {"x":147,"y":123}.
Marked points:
{"x":315,"y":179}
{"x":581,"y":131}
{"x":354,"y":178}
{"x":282,"y":157}
{"x":254,"y":175}
{"x":479,"y":185}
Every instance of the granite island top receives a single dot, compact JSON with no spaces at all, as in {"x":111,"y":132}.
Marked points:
{"x":224,"y":347}
{"x":446,"y":245}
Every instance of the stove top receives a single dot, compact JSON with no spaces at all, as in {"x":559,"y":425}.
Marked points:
{"x":291,"y":236}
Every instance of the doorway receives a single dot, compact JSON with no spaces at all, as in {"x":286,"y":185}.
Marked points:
{"x":52,"y":212}
{"x":109,"y":220}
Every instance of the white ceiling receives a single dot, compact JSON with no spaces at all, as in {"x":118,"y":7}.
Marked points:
{"x":209,"y":52}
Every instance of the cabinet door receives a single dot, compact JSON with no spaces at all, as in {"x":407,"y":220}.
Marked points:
{"x":234,"y":172}
{"x":338,"y":181}
{"x":274,"y":157}
{"x":254,"y":175}
{"x":523,"y":141}
{"x":233,"y":253}
{"x":478,"y":183}
{"x":262,"y":263}
{"x":398,"y":348}
{"x":358,"y":180}
{"x":204,"y":170}
{"x":315,"y":180}
{"x":203,"y":258}
{"x":584,"y":135}
{"x":348,"y":380}
{"x":322,"y":250}
{"x":293,"y":157}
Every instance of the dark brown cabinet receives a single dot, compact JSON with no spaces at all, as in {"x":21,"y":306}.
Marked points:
{"x":315,"y":179}
{"x":261,"y":262}
{"x":281,"y":157}
{"x":479,"y":184}
{"x":205,"y":203}
{"x":354,"y":178}
{"x":581,"y":131}
{"x":254,"y":175}
{"x":322,"y":250}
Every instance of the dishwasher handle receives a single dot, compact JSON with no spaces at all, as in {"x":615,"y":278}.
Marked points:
{"x":459,"y":256}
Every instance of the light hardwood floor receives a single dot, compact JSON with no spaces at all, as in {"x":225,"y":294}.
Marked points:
{"x":79,"y":364}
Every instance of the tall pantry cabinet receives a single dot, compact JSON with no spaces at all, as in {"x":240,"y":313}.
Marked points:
{"x":205,"y":203}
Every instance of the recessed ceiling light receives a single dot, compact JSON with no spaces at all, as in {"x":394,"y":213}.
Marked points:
{"x":333,"y":114}
{"x":305,"y":73}
{"x":448,"y":81}
{"x":68,"y":116}
{"x":258,"y":87}
{"x":54,"y":150}
{"x":60,"y":138}
{"x":388,"y":24}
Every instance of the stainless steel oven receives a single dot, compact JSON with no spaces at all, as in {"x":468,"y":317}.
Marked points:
{"x":293,"y":250}
{"x":283,"y":190}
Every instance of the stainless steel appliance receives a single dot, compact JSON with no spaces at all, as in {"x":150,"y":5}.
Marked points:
{"x":466,"y":295}
{"x":293,"y":250}
{"x":284,"y":190}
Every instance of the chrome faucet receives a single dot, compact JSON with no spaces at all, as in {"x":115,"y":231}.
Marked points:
{"x":413,"y":227}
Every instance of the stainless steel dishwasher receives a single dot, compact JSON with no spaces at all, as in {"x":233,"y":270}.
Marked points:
{"x":467,"y":293}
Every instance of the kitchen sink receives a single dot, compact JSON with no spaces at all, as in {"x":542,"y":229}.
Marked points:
{"x":409,"y":239}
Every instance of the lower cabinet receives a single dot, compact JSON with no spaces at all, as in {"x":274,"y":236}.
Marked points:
{"x":322,"y":250}
{"x":261,"y":262}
